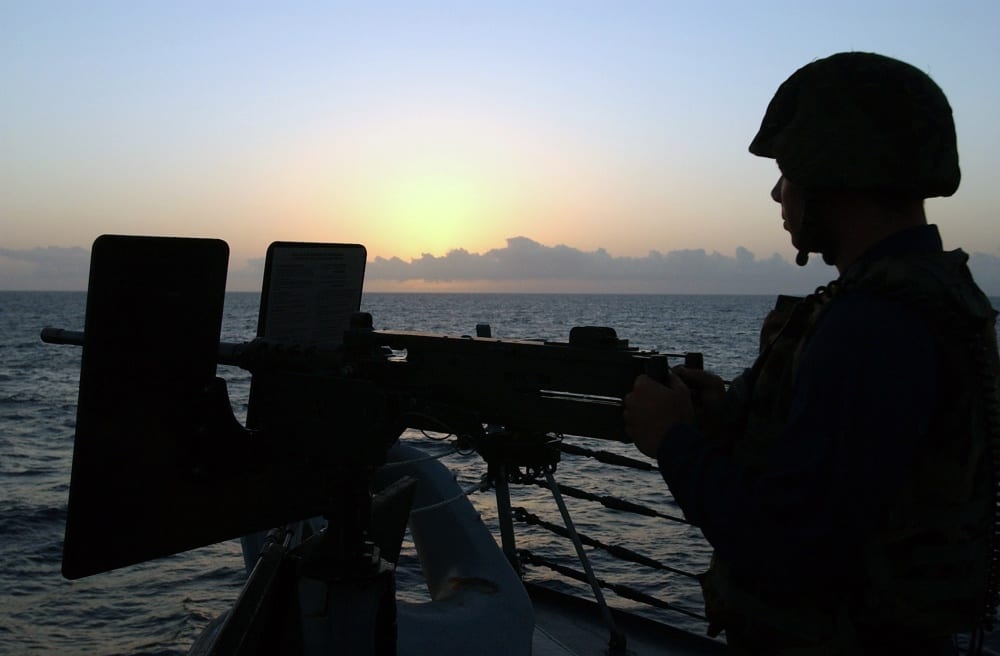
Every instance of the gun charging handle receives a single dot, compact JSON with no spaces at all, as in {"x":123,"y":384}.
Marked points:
{"x":694,"y":360}
{"x":658,"y":367}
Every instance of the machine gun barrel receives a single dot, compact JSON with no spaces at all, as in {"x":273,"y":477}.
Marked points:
{"x":62,"y":336}
{"x":230,"y":353}
{"x":450,"y":384}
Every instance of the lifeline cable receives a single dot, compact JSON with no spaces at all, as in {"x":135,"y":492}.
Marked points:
{"x":607,"y":457}
{"x":623,"y":591}
{"x":615,"y":503}
{"x":461,"y":494}
{"x":624,"y":553}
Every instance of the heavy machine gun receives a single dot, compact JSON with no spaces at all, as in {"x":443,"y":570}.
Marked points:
{"x":161,"y":465}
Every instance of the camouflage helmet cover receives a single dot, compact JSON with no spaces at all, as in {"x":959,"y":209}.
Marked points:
{"x":865,"y":122}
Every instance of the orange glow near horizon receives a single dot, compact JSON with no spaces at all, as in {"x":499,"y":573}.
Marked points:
{"x":430,"y":212}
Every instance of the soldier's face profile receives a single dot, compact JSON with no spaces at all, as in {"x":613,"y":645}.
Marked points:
{"x":790,"y":196}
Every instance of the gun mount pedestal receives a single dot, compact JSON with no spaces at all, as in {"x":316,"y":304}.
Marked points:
{"x":334,"y":593}
{"x":346,"y":595}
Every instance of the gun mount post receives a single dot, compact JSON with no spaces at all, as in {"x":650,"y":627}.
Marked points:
{"x":505,"y":519}
{"x":616,"y":641}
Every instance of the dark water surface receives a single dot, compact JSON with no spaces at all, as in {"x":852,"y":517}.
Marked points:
{"x":160,"y":607}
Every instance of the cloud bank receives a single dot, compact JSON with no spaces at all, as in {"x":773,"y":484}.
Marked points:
{"x":44,"y":269}
{"x":523,"y":265}
{"x":527,"y":264}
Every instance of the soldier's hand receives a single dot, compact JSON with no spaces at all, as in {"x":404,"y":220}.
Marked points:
{"x":708,"y":392}
{"x":710,"y":389}
{"x":652,"y":409}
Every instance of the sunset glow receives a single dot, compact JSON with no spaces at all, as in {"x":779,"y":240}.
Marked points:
{"x":425,"y":130}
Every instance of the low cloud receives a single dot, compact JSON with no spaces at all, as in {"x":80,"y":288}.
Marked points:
{"x":986,"y":270}
{"x":44,"y":269}
{"x":525,"y":263}
{"x":522,"y":265}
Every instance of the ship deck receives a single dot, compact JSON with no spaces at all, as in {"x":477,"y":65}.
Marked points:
{"x":566,"y":625}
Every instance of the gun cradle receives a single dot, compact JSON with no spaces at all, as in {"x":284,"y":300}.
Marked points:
{"x":457,"y":384}
{"x":545,"y":387}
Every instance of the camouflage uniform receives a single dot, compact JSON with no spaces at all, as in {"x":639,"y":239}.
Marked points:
{"x":861,"y":122}
{"x":923,"y":574}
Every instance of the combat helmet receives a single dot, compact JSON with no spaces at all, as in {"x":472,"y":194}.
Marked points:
{"x":865,"y":122}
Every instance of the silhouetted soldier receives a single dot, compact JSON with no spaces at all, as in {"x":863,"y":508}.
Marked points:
{"x":846,"y":482}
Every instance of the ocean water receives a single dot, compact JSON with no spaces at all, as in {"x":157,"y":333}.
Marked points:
{"x":160,"y":607}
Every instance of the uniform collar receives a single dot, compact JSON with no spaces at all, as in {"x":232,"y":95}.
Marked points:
{"x":918,"y":239}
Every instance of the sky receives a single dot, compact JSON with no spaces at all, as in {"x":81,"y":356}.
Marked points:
{"x":470,"y":146}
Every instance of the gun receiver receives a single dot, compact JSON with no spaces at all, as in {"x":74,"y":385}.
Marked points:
{"x":457,"y":384}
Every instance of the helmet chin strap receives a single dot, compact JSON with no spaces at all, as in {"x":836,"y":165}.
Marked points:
{"x":812,"y":235}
